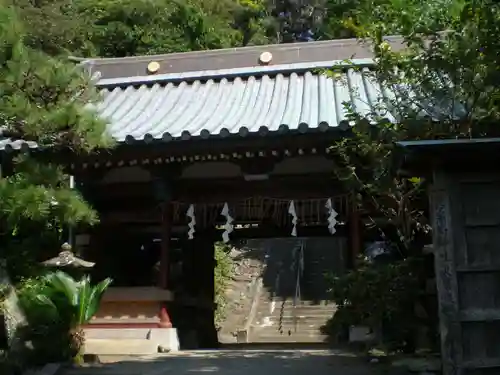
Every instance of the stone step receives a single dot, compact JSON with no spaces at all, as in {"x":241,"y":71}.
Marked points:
{"x":287,"y":326}
{"x":309,"y":319}
{"x":289,"y":317}
{"x":298,"y":313}
{"x":300,"y":302}
{"x":289,"y":339}
{"x":291,"y":307}
{"x":120,"y":346}
{"x":287,"y":331}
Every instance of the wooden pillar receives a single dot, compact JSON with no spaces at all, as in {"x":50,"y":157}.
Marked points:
{"x":355,"y":231}
{"x":166,"y":230}
{"x":162,"y":191}
{"x":447,"y":229}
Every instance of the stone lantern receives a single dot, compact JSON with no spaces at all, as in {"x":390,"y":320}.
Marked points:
{"x":68,"y":262}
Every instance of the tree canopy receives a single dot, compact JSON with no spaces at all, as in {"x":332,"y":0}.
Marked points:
{"x":44,"y":101}
{"x":444,"y":85}
{"x":115,"y":28}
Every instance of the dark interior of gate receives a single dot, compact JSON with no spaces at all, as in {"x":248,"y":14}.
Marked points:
{"x":142,"y":240}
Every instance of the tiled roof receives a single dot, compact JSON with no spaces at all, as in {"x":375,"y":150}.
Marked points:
{"x":291,"y":97}
{"x":9,"y":144}
{"x":241,"y":101}
{"x":226,"y":92}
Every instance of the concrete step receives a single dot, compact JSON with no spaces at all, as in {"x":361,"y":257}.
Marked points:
{"x":266,"y":332}
{"x":302,"y":319}
{"x":297,"y":312}
{"x":289,"y":339}
{"x":286,"y":327}
{"x":273,"y":325}
{"x":120,"y":346}
{"x":304,"y":303}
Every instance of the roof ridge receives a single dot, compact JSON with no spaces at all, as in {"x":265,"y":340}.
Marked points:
{"x":222,"y":51}
{"x":231,"y":73}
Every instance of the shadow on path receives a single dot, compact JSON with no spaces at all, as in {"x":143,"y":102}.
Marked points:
{"x":237,"y":361}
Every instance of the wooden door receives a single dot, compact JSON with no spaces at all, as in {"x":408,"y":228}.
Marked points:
{"x":465,"y":212}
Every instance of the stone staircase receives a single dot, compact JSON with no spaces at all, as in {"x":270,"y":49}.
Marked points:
{"x":286,"y":321}
{"x":295,"y":307}
{"x":249,"y":261}
{"x":292,"y":304}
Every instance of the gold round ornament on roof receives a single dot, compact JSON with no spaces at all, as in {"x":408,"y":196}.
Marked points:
{"x":265,"y":58}
{"x":153,"y":67}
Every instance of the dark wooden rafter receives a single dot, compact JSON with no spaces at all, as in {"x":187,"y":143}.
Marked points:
{"x":216,"y":190}
{"x":187,"y":152}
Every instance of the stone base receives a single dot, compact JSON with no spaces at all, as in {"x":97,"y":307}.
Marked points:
{"x":130,"y":341}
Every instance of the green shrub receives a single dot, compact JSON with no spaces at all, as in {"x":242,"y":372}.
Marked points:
{"x":56,"y":306}
{"x":223,"y":273}
{"x":379,"y":295}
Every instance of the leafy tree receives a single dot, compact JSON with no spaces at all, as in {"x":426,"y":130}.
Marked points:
{"x":444,"y":84}
{"x":45,"y":102}
{"x":253,"y":19}
{"x":139,"y":27}
{"x":53,"y":26}
{"x":297,"y":21}
{"x":116,"y":28}
{"x":343,"y":18}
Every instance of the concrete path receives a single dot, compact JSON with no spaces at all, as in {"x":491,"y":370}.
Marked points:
{"x":238,"y":362}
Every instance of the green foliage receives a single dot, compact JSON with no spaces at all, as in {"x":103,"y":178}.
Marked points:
{"x":365,"y":164}
{"x":53,"y":26}
{"x":444,"y":87}
{"x":115,"y":28}
{"x":48,"y":102}
{"x":55,"y":306}
{"x":223,"y":273}
{"x":346,"y":18}
{"x":379,"y":294}
{"x":44,"y":100}
{"x":4,"y":292}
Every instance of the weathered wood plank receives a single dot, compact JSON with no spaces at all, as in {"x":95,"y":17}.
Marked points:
{"x":479,"y":315}
{"x":482,"y":364}
{"x":451,"y":349}
{"x":490,"y":267}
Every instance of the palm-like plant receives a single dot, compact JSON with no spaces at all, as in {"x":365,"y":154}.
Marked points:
{"x":58,"y":307}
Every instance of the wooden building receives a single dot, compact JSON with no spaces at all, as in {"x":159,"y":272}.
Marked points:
{"x":465,"y":212}
{"x":250,"y":128}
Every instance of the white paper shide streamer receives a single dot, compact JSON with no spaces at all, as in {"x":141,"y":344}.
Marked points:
{"x":332,"y":216}
{"x":228,"y":226}
{"x":295,"y":219}
{"x":192,"y":221}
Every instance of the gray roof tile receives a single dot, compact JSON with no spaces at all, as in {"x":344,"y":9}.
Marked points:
{"x":256,"y":100}
{"x":204,"y":104}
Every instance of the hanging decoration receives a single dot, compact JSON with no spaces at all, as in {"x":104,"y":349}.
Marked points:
{"x":192,"y":221}
{"x":228,"y":226}
{"x":295,"y":219}
{"x":332,"y":216}
{"x":260,"y":207}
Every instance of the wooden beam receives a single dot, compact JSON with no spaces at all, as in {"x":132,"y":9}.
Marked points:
{"x":355,"y":231}
{"x":205,"y":190}
{"x":158,"y":151}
